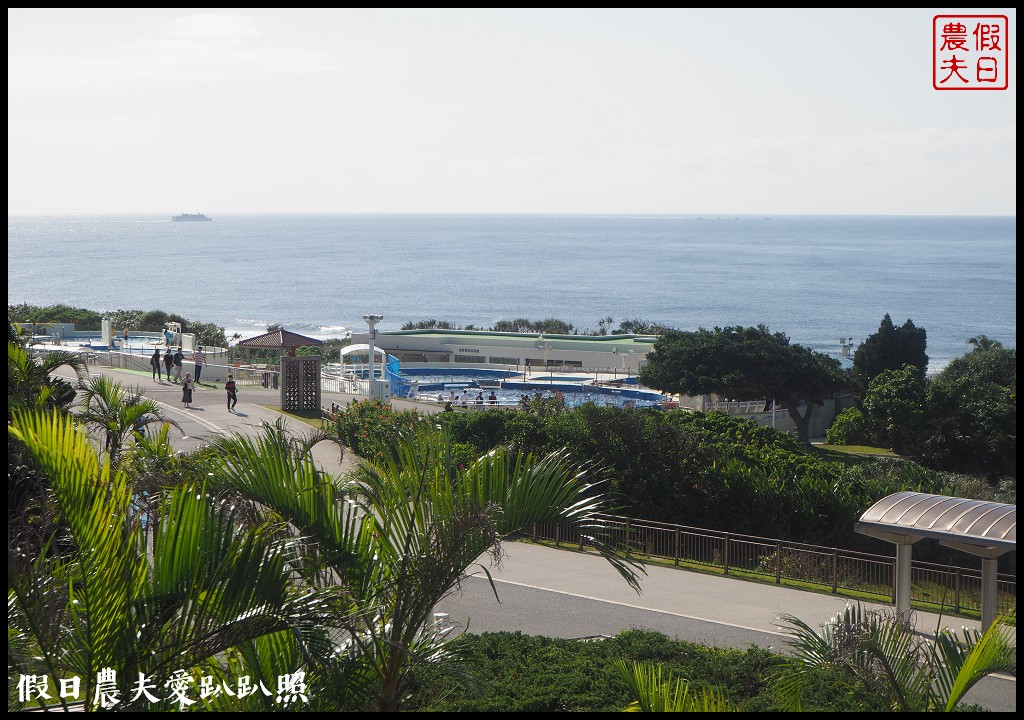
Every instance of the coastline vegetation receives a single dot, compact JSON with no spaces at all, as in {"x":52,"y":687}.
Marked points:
{"x":550,"y":326}
{"x":143,"y":320}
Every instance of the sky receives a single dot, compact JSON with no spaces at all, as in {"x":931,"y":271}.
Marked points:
{"x":634,"y":111}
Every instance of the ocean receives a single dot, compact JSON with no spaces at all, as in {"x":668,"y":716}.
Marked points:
{"x":816,"y":278}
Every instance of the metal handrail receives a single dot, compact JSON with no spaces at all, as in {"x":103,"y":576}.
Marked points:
{"x":843,"y":572}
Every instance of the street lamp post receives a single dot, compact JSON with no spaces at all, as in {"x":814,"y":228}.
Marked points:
{"x":371,"y":321}
{"x":541,"y":345}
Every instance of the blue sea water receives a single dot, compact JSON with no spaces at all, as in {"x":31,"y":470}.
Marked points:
{"x":815,"y":278}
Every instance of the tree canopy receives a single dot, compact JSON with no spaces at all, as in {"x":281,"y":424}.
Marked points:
{"x":145,"y":320}
{"x":972,"y":414}
{"x":745,"y":363}
{"x":982,"y":343}
{"x":890,"y":349}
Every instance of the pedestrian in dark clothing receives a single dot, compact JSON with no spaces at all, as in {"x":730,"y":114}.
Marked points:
{"x":168,"y":362}
{"x":178,"y":358}
{"x":155,"y":362}
{"x":232,"y":391}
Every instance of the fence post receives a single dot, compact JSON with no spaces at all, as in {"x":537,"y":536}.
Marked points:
{"x":627,"y":537}
{"x":677,"y":551}
{"x":558,"y":534}
{"x":534,"y":530}
{"x":778,"y":563}
{"x":581,"y":541}
{"x":956,"y":594}
{"x":725,"y":555}
{"x":835,"y":570}
{"x":892,"y":589}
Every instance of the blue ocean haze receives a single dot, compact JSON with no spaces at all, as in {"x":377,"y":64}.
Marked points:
{"x":815,"y":278}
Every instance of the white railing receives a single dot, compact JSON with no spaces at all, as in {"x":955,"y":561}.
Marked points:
{"x":351,"y":386}
{"x":735,"y":407}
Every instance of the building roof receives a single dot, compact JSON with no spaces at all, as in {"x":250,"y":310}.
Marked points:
{"x":361,"y":349}
{"x":278,"y":339}
{"x":951,"y":519}
{"x":638,"y":344}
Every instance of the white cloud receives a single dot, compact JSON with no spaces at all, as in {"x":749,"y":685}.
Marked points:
{"x":497,"y":111}
{"x":214,"y":25}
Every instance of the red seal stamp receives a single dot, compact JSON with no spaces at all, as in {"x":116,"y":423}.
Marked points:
{"x":970,"y":52}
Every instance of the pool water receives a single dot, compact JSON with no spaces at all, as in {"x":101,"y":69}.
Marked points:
{"x":434,"y":384}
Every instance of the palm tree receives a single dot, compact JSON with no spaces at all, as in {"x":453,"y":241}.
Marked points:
{"x":982,"y":343}
{"x":186,"y":588}
{"x":401,"y":533}
{"x":653,"y":692}
{"x":118,"y":412}
{"x":884,"y":653}
{"x":31,"y":381}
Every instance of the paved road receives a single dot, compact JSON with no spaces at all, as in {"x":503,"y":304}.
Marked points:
{"x":566,"y":593}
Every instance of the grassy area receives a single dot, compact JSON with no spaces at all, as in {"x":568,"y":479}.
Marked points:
{"x":860,"y":450}
{"x":310,"y":417}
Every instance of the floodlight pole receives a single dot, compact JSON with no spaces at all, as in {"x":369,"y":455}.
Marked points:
{"x":371,"y":321}
{"x":541,"y":345}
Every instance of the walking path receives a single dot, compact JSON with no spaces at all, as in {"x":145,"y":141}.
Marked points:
{"x":540,"y":588}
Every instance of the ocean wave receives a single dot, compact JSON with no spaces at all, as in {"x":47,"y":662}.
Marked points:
{"x":248,"y":328}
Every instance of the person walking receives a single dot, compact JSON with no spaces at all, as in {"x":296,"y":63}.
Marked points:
{"x":199,"y":358}
{"x":232,"y":391}
{"x":156,"y":361}
{"x":168,"y":362}
{"x":178,"y":358}
{"x":186,"y":390}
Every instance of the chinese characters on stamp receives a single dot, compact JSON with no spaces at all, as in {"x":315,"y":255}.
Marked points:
{"x":970,"y":52}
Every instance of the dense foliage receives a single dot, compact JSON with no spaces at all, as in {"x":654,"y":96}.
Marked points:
{"x":144,"y":320}
{"x":890,"y":348}
{"x":707,"y":470}
{"x":522,"y":673}
{"x":962,"y":420}
{"x":551,"y":326}
{"x":749,"y":363}
{"x":33,"y":314}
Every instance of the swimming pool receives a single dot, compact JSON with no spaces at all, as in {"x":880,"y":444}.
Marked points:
{"x":509,"y":387}
{"x":134,"y":345}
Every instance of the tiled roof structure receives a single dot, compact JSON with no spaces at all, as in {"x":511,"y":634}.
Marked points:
{"x":278,"y":339}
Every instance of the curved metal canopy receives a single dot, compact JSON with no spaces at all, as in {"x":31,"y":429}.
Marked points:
{"x":951,"y":519}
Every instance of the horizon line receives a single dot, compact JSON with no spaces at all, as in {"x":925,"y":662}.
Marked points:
{"x":697,"y":215}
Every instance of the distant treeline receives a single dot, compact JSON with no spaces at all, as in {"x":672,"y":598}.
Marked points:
{"x":552,"y":326}
{"x":143,"y":320}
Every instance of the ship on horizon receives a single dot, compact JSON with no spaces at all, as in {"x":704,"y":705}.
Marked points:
{"x":190,"y":217}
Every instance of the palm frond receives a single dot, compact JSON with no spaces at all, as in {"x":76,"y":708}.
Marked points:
{"x":881,"y":650}
{"x":655,"y":691}
{"x":961,"y":662}
{"x":176,"y":592}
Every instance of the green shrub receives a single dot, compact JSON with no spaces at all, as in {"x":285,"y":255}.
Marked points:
{"x":524,"y":673}
{"x":849,"y":428}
